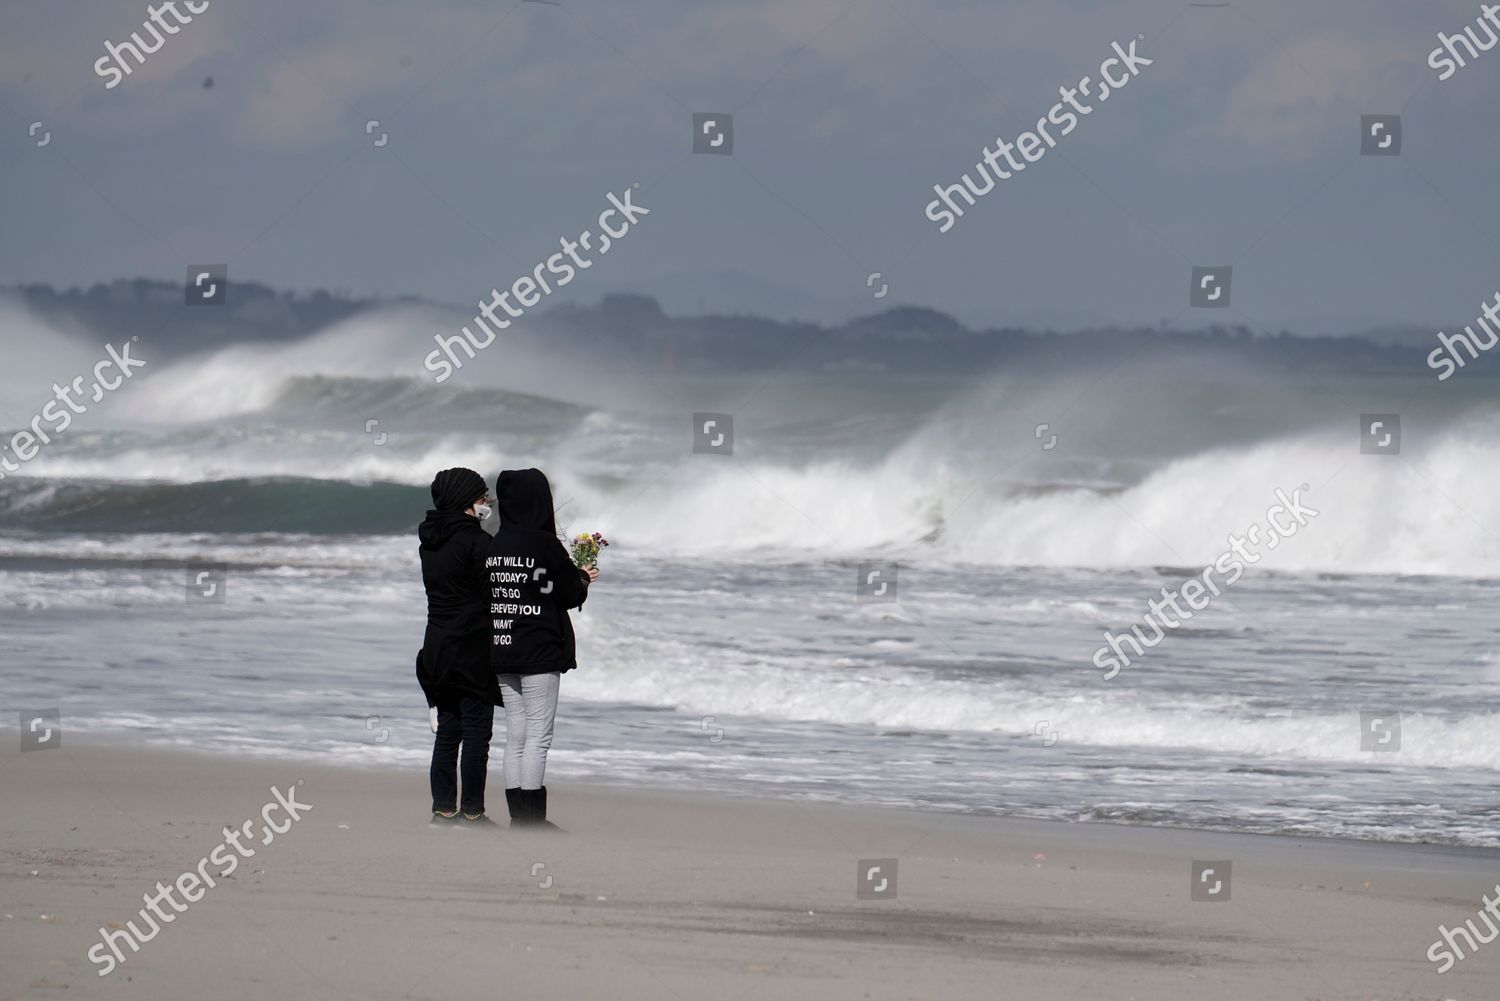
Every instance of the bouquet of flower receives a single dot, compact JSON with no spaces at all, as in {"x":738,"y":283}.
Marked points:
{"x":586,"y":549}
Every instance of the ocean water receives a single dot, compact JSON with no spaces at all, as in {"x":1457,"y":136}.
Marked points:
{"x":728,"y":646}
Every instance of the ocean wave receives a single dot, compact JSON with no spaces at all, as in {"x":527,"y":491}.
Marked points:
{"x":1435,"y":512}
{"x":315,"y":507}
{"x":903,"y":701}
{"x":320,"y":437}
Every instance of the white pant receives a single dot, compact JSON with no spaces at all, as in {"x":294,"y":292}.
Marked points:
{"x":530,"y":710}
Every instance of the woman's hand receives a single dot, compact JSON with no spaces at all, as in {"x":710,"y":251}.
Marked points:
{"x":592,"y":573}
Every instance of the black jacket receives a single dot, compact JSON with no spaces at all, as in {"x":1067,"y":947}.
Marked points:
{"x":455,"y":651}
{"x":532,"y":580}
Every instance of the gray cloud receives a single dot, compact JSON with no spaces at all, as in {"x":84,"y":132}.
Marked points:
{"x":507,"y":124}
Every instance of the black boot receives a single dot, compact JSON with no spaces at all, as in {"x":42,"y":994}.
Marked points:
{"x":539,"y":805}
{"x":516,"y":804}
{"x":530,"y":809}
{"x":537,"y":813}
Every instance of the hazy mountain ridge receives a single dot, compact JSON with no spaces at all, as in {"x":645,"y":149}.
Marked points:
{"x":902,"y":338}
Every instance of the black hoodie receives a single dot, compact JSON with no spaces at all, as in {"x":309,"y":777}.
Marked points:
{"x":455,"y":651}
{"x":533,"y":581}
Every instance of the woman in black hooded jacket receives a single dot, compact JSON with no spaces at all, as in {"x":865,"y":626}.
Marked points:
{"x":533,"y":583}
{"x":453,"y":666}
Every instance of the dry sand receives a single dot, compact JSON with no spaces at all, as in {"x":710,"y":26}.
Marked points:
{"x":653,"y":895}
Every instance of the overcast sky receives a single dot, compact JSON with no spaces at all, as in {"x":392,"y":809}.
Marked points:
{"x":508,"y":123}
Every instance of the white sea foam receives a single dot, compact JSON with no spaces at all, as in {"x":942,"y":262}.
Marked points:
{"x":1433,"y":512}
{"x":905,"y":701}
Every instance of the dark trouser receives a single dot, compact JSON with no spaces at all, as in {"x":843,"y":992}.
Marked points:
{"x":462,"y":719}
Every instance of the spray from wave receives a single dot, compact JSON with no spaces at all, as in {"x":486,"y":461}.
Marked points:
{"x":329,"y":435}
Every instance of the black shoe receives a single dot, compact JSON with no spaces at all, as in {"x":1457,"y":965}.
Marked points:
{"x":443,"y":819}
{"x":476,"y":820}
{"x":515,"y":804}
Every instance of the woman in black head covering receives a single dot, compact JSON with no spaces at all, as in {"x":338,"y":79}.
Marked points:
{"x":453,"y":666}
{"x":533,"y":583}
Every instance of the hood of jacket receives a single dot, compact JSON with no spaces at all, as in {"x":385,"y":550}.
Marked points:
{"x":440,"y":526}
{"x":524,"y":499}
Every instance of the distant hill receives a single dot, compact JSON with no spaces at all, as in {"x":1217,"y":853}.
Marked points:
{"x":902,"y":339}
{"x":914,"y":340}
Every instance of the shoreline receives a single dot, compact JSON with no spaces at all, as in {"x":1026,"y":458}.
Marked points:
{"x":757,"y":795}
{"x":661,"y":893}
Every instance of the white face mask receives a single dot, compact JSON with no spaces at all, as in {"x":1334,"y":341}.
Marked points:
{"x":482,"y":511}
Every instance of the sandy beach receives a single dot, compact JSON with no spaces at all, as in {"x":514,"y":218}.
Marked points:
{"x":649,"y":895}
